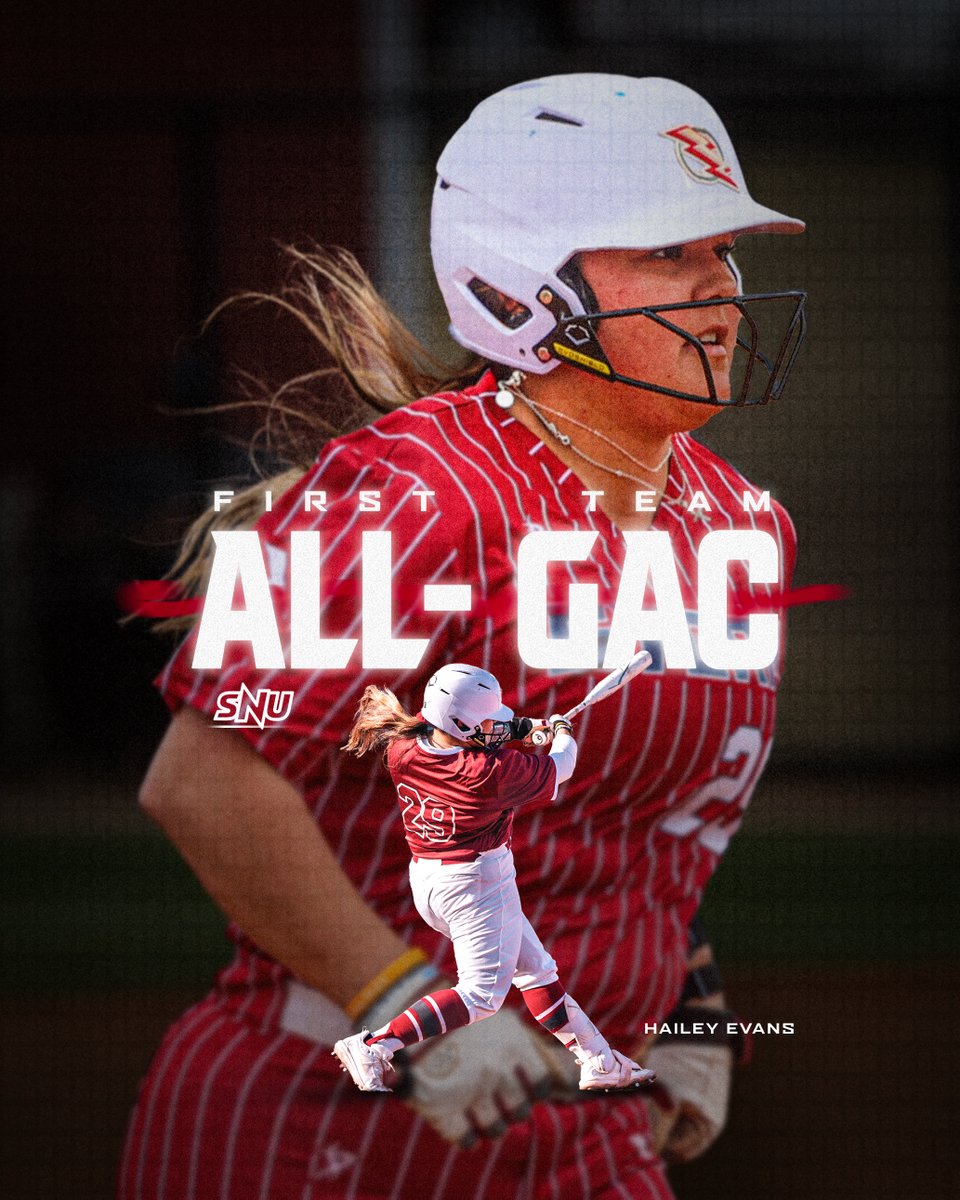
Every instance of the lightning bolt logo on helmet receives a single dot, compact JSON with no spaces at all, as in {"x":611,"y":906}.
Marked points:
{"x":700,"y":156}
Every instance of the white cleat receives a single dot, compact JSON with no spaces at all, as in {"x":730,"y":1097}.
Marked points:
{"x":611,"y":1069}
{"x":364,"y":1062}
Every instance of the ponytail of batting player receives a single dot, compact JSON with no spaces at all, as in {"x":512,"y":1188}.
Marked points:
{"x":582,"y":236}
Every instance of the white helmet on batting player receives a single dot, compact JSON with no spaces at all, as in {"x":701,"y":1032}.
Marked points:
{"x":543,"y":170}
{"x":459,"y":697}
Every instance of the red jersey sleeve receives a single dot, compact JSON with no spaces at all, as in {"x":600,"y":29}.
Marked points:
{"x":525,"y":778}
{"x":322,"y":703}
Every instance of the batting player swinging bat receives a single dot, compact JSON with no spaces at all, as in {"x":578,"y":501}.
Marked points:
{"x":600,"y":691}
{"x":458,"y":783}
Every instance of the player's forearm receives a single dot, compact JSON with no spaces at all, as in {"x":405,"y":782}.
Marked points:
{"x":251,"y":842}
{"x":564,"y":755}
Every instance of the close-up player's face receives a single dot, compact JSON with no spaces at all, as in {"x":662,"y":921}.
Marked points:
{"x":640,"y":348}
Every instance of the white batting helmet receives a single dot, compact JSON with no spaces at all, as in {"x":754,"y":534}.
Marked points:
{"x":459,"y":697}
{"x":549,"y":168}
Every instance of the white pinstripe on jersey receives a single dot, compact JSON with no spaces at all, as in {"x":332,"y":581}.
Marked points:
{"x":168,"y":1057}
{"x":283,"y":1109}
{"x":203,"y":1104}
{"x":238,"y":1110}
{"x":173,"y":1112}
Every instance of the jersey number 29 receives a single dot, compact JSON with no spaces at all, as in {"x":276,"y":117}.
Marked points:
{"x":429,"y":819}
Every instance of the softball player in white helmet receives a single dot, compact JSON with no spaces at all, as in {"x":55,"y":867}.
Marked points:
{"x":460,"y":699}
{"x":458,"y":784}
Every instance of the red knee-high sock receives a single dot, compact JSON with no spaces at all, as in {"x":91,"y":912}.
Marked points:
{"x":559,"y":1014}
{"x":547,"y":1006}
{"x":439,"y":1012}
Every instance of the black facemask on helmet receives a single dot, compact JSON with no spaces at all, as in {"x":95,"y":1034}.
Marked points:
{"x":771,"y":328}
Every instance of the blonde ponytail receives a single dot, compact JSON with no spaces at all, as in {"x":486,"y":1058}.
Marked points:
{"x":378,"y":366}
{"x":381,"y":718}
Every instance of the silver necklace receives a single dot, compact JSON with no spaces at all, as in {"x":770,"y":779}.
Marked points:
{"x":509,"y":390}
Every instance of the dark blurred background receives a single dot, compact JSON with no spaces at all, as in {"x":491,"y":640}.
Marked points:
{"x":153,"y":159}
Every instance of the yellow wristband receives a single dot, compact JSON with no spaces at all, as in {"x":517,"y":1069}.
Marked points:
{"x":382,"y":980}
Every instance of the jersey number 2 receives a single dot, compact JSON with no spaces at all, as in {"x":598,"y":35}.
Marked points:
{"x":715,"y":809}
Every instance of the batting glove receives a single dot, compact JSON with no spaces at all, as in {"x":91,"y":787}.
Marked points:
{"x":520,"y":729}
{"x":558,"y":723}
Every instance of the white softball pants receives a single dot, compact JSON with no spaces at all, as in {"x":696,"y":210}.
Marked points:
{"x":477,"y":906}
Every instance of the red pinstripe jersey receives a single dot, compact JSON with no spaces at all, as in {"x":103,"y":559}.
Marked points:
{"x":611,"y":875}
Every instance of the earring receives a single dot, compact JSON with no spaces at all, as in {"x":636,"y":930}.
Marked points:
{"x":505,"y":397}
